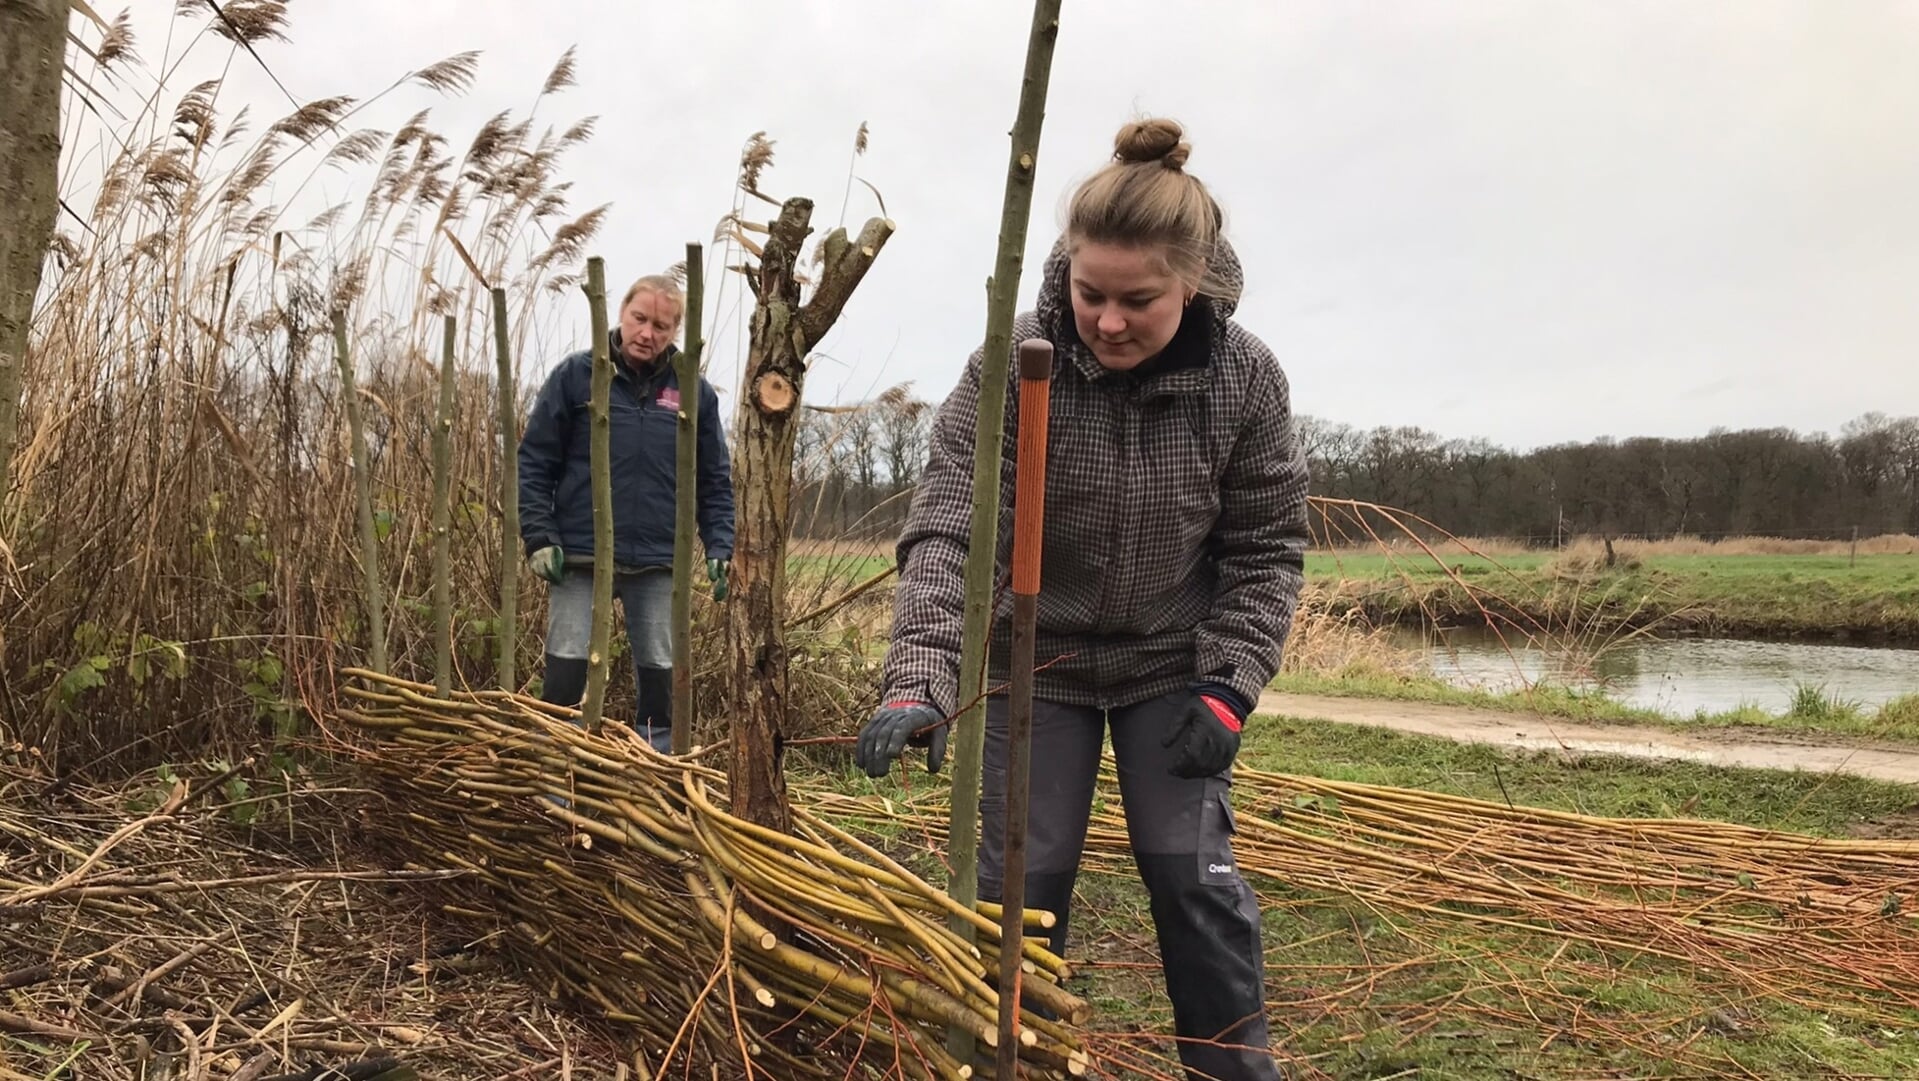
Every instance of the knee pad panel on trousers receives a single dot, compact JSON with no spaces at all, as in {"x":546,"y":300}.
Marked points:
{"x":1209,"y":942}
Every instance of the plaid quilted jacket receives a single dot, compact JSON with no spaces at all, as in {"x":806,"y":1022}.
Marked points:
{"x":1175,"y":519}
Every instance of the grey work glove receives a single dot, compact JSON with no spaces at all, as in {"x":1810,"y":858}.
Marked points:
{"x":893,"y":727}
{"x":716,"y":572}
{"x":549,"y":563}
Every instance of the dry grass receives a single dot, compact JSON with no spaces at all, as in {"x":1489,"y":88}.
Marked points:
{"x":181,"y":526}
{"x":838,"y":549}
{"x":196,"y":928}
{"x":1326,"y":642}
{"x":1886,"y":544}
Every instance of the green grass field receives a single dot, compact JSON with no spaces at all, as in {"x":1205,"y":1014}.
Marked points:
{"x":853,"y":567}
{"x":1828,"y":805}
{"x":1414,"y":563}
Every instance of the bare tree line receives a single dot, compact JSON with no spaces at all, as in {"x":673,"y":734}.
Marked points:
{"x":1758,"y":481}
{"x":857,"y":466}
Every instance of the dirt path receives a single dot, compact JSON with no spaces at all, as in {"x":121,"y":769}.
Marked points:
{"x":1531,"y":731}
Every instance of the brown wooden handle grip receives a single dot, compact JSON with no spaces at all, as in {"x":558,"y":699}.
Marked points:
{"x":1029,"y":492}
{"x":1036,"y":359}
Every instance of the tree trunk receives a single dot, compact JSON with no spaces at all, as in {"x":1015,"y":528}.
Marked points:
{"x":686,"y":506}
{"x":509,"y":620}
{"x":600,"y":469}
{"x":33,"y":52}
{"x":969,"y":736}
{"x":783,"y":332}
{"x":363,"y":491}
{"x":443,"y":521}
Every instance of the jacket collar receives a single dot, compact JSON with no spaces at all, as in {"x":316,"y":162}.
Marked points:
{"x":652,"y":376}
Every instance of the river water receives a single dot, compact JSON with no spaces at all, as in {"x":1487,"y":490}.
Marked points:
{"x":1680,"y":676}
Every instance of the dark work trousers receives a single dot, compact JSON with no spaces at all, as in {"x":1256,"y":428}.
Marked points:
{"x":1181,"y":832}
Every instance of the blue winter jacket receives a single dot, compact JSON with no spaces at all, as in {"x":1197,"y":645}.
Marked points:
{"x":556,"y":493}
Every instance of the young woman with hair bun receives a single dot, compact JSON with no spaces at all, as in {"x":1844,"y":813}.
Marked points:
{"x":1173,"y":559}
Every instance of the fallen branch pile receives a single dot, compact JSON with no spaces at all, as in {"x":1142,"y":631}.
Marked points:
{"x":1826,"y":923}
{"x":172,"y":927}
{"x":621,"y":875}
{"x":1829,"y":924}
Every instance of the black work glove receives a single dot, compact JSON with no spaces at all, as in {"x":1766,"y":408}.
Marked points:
{"x":1207,"y":735}
{"x":894,"y":727}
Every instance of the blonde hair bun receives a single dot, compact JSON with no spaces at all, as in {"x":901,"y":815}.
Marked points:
{"x":1144,"y":197}
{"x":1155,"y":140}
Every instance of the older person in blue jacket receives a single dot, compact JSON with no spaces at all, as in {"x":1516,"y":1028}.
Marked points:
{"x":556,"y":501}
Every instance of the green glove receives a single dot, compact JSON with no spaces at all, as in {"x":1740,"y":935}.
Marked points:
{"x":549,"y":563}
{"x":716,"y":570}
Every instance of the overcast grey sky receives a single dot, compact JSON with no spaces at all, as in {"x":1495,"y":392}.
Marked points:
{"x":1530,"y":220}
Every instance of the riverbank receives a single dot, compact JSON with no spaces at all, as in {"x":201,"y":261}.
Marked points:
{"x":1812,"y":710}
{"x":1874,"y":598}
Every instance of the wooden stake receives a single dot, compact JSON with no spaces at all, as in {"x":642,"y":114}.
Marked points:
{"x":600,"y":467}
{"x":509,"y":499}
{"x":442,"y":519}
{"x":969,"y":736}
{"x":363,"y":489}
{"x":686,"y":496}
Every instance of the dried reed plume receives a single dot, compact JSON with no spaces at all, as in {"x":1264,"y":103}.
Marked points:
{"x":182,"y":481}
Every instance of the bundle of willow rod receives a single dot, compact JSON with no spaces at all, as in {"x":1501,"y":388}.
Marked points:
{"x":1822,"y":922}
{"x":718,"y":940}
{"x":1829,"y":924}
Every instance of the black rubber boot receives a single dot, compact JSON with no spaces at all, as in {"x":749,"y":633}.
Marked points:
{"x":565,"y":680}
{"x":653,"y":720}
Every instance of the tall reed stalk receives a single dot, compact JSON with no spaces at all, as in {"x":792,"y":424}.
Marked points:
{"x":187,"y":536}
